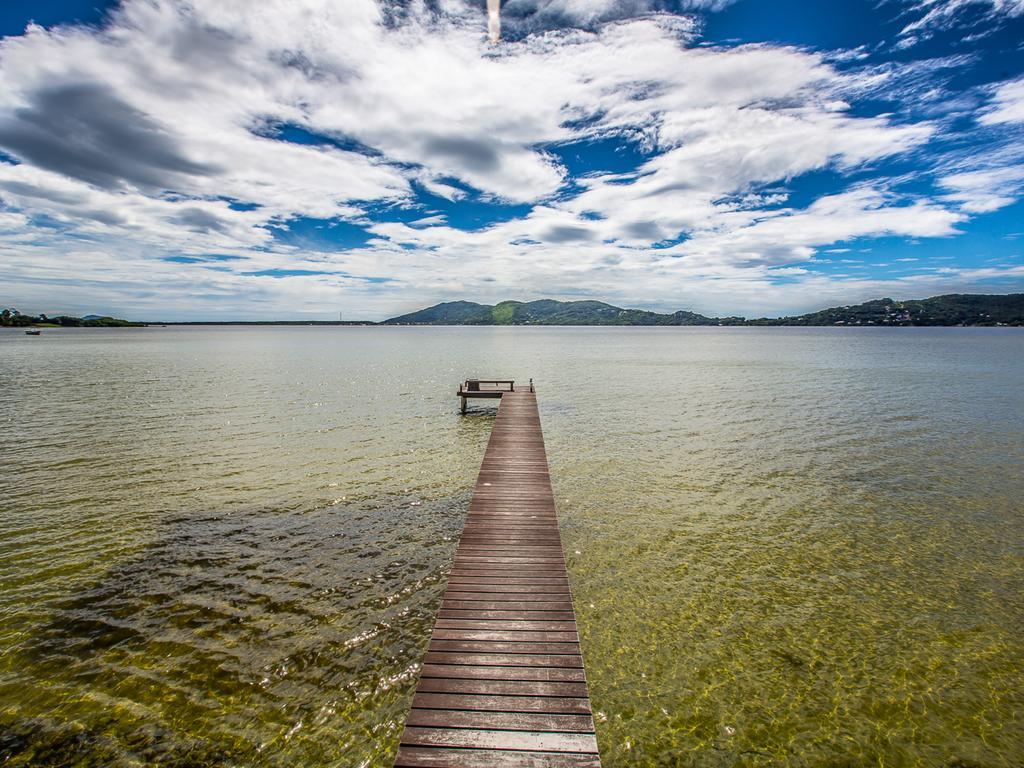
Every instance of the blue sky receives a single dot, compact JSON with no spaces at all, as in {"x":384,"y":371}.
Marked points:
{"x":298,"y":158}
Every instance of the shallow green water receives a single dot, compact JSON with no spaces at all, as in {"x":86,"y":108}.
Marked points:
{"x":224,"y":546}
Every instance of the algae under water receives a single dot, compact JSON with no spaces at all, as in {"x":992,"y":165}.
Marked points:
{"x":225,"y":546}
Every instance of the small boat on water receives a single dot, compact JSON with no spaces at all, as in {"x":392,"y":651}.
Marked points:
{"x":34,"y":332}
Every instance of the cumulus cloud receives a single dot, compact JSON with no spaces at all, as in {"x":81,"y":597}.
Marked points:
{"x":85,"y":131}
{"x":1007,"y":104}
{"x":788,"y":236}
{"x":986,"y":190}
{"x":177,"y":131}
{"x":522,"y":17}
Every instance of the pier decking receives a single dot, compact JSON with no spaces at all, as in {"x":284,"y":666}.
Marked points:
{"x":503,"y":684}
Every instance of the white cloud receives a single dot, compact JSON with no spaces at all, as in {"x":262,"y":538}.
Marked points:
{"x":944,"y":14}
{"x":1007,"y":104}
{"x":525,"y":16}
{"x":12,"y":222}
{"x":183,"y":160}
{"x":983,"y":191}
{"x":789,"y":236}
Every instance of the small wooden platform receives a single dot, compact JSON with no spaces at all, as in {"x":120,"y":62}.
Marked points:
{"x":502,"y":684}
{"x":492,"y":388}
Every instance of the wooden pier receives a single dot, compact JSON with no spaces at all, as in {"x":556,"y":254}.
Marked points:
{"x":502,"y":684}
{"x":473,"y":388}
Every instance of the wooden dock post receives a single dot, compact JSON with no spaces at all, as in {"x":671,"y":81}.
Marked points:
{"x":503,"y":684}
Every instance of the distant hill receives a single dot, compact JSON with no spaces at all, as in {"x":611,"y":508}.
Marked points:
{"x":544,"y":312}
{"x":13,"y":318}
{"x":952,"y":309}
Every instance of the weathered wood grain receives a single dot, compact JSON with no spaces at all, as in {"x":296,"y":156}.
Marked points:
{"x":503,"y":683}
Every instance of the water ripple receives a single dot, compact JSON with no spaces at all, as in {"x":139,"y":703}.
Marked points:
{"x":225,"y":546}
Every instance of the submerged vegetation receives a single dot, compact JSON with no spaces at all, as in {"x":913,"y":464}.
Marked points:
{"x":787,"y":549}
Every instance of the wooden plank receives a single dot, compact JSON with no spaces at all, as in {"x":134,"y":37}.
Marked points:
{"x":547,"y":535}
{"x":503,"y":682}
{"x":506,"y":635}
{"x":510,"y":542}
{"x":509,"y":564}
{"x":503,"y":584}
{"x":467,"y":738}
{"x":498,"y":646}
{"x":517,"y":615}
{"x":507,"y":721}
{"x":503,"y":595}
{"x":490,"y":672}
{"x":471,"y":702}
{"x":504,"y":625}
{"x":556,"y":688}
{"x":428,"y":757}
{"x":505,"y":580}
{"x":479,"y":608}
{"x":488,"y":543}
{"x":522,"y":537}
{"x":504,"y":659}
{"x":504,"y":555}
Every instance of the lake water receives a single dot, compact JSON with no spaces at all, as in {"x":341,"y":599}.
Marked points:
{"x":225,"y":546}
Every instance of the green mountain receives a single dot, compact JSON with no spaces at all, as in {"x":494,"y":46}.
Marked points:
{"x":953,"y":309}
{"x":448,"y":313}
{"x":543,"y":312}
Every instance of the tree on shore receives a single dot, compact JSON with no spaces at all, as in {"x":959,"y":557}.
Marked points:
{"x":12,"y":318}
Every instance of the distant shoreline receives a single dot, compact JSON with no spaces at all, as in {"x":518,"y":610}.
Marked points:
{"x":371,"y":324}
{"x":426,"y":326}
{"x":358,"y":323}
{"x":957,"y":310}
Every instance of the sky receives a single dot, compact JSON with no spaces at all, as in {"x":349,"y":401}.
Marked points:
{"x":301,"y":159}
